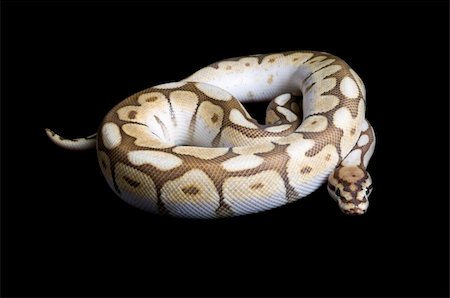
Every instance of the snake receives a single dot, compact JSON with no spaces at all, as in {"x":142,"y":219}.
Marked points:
{"x":190,"y":149}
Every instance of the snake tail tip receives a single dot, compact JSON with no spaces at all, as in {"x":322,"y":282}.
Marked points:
{"x":71,"y":144}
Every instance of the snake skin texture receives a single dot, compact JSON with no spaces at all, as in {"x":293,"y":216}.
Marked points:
{"x":190,"y":148}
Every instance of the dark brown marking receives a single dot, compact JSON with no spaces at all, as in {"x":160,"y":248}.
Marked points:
{"x":131,"y":182}
{"x":247,"y":64}
{"x":271,"y":60}
{"x":103,"y":164}
{"x":257,"y":186}
{"x":190,"y":190}
{"x":314,"y":122}
{"x":352,"y":132}
{"x":309,"y":87}
{"x":295,"y":59}
{"x":306,"y":170}
{"x":151,"y":98}
{"x":132,"y":114}
{"x":214,"y":118}
{"x":327,"y":158}
{"x":224,"y":210}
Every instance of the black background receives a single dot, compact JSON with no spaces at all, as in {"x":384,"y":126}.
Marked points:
{"x":64,"y":232}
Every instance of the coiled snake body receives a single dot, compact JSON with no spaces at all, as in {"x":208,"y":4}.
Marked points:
{"x":190,"y":149}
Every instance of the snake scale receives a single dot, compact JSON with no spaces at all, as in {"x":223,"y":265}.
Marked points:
{"x":190,"y":149}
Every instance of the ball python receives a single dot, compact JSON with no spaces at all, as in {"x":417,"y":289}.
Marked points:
{"x":190,"y":149}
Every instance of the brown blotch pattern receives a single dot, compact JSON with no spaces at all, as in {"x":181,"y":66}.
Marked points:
{"x":190,"y":190}
{"x":257,"y":186}
{"x":306,"y":170}
{"x":131,"y":182}
{"x":132,"y":114}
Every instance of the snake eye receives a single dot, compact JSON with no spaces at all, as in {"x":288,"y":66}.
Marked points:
{"x":338,"y":192}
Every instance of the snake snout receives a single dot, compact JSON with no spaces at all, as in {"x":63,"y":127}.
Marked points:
{"x":355,"y":211}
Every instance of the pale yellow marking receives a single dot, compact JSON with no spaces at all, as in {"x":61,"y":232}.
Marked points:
{"x":365,"y":125}
{"x":200,"y":152}
{"x":342,"y":118}
{"x":171,"y":85}
{"x":154,"y":98}
{"x":298,"y":58}
{"x":324,"y":103}
{"x":142,"y":192}
{"x":271,"y":59}
{"x":272,"y":117}
{"x":258,"y":192}
{"x":254,"y":149}
{"x":111,"y":135}
{"x":320,"y":75}
{"x":184,"y":99}
{"x":191,"y":195}
{"x":291,"y":117}
{"x":242,"y":162}
{"x":289,"y":139}
{"x":315,"y":91}
{"x":278,"y":128}
{"x":369,"y":153}
{"x":363,"y":140}
{"x":319,"y":166}
{"x":184,"y":104}
{"x":144,"y":137}
{"x":124,"y":113}
{"x":349,"y":88}
{"x":237,"y":118}
{"x":152,"y":105}
{"x":353,"y":158}
{"x":206,"y":129}
{"x":214,"y":92}
{"x":359,"y":82}
{"x":324,"y":86}
{"x":282,"y":99}
{"x":161,"y":160}
{"x":316,"y":123}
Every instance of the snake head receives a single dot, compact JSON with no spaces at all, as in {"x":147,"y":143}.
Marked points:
{"x":350,"y":186}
